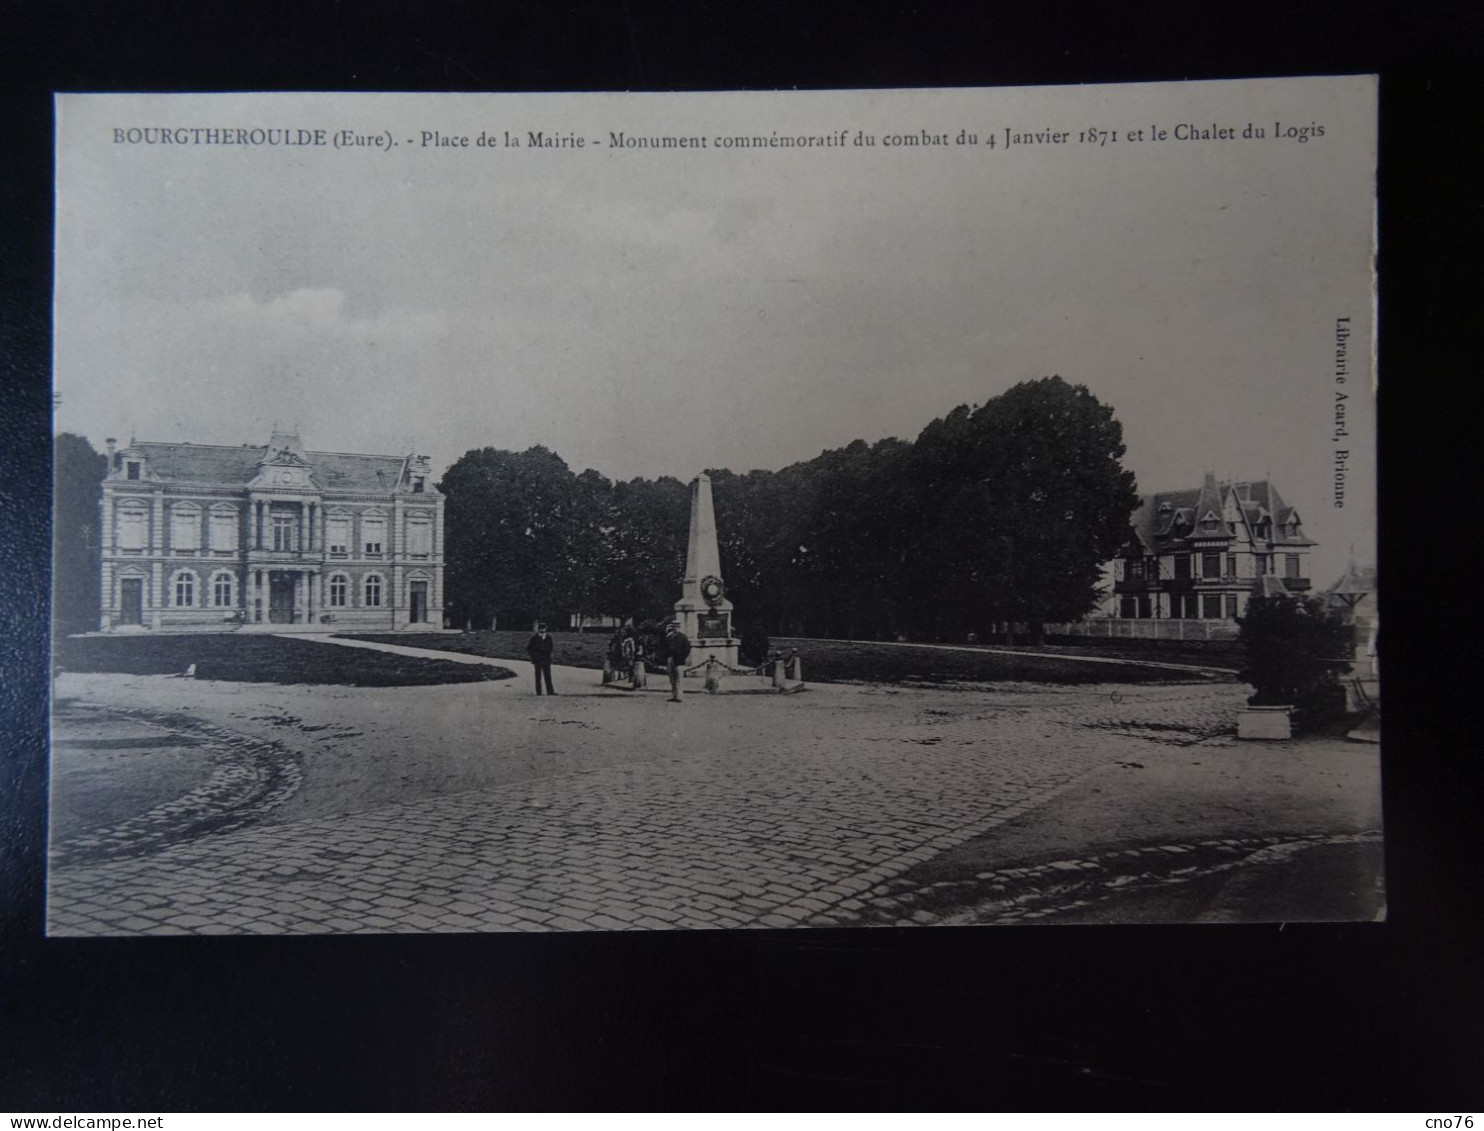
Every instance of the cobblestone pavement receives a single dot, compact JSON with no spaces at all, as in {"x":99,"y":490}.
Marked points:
{"x":1059,"y":888}
{"x":726,"y":811}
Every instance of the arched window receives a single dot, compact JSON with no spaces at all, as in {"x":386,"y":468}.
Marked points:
{"x":222,"y":585}
{"x":183,"y":590}
{"x":372,"y":598}
{"x":339,"y":591}
{"x":185,"y":527}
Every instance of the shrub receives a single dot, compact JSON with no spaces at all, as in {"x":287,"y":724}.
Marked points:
{"x":754,"y":645}
{"x":1296,"y":650}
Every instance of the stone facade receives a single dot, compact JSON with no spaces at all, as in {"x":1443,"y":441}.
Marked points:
{"x":206,"y":537}
{"x":1200,"y":554}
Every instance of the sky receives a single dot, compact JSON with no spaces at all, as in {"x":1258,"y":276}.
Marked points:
{"x":661,"y":311}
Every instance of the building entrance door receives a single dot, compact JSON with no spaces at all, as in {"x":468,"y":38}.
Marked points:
{"x":418,"y":592}
{"x":280,"y":597}
{"x":131,"y":600}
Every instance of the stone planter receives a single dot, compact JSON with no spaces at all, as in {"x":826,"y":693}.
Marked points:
{"x":1267,"y":723}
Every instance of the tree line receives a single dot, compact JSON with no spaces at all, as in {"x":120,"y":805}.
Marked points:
{"x":995,"y":515}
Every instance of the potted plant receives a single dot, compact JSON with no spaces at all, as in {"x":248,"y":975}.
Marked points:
{"x":1294,"y":649}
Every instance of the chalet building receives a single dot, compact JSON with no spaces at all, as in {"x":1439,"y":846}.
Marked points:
{"x":1200,"y":554}
{"x":205,"y":537}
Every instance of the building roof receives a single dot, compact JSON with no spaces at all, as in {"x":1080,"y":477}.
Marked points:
{"x":219,"y":465}
{"x":1356,"y":581}
{"x":1166,"y":520}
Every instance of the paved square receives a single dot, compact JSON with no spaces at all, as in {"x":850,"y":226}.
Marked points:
{"x":478,"y":807}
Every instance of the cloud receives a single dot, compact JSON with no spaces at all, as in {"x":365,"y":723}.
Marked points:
{"x":318,"y":314}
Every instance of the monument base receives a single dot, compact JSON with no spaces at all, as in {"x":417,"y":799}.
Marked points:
{"x":725,"y":650}
{"x":708,"y":628}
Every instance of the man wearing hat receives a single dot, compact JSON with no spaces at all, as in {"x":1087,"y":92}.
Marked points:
{"x":677,"y":651}
{"x":539,"y":649}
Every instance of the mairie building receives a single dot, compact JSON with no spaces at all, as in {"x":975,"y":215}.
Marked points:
{"x":1202,"y":553}
{"x":272,"y":538}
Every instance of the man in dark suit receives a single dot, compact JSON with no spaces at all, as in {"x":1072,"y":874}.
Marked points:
{"x":677,"y":651}
{"x":539,"y":649}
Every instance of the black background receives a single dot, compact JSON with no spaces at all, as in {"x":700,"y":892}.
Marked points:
{"x":1357,"y":1016}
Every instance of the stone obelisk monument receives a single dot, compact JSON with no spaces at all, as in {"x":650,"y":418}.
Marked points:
{"x":704,"y":613}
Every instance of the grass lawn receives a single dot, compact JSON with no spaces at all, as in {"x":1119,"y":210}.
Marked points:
{"x":572,"y":649}
{"x":1218,"y":653}
{"x":827,"y":661}
{"x":261,"y":659}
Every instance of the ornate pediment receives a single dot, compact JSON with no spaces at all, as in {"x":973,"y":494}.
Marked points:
{"x":284,"y":468}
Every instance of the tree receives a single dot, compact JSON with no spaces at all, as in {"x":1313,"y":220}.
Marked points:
{"x":77,"y":542}
{"x":1024,"y":499}
{"x":643,"y":555}
{"x":1000,"y":513}
{"x":1296,"y":650}
{"x":761,"y":523}
{"x":522,"y":535}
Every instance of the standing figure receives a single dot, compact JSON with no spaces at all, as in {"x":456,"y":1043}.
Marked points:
{"x":677,"y":651}
{"x":539,"y":649}
{"x":621,"y":651}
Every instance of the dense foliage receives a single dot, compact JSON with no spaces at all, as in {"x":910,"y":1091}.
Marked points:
{"x":77,"y":472}
{"x":1296,"y":652}
{"x":996,"y":514}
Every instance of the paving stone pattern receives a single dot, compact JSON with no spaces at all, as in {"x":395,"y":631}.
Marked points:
{"x":800,"y":826}
{"x":1023,"y":894}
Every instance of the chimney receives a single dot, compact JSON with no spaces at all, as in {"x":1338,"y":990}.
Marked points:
{"x":110,"y":444}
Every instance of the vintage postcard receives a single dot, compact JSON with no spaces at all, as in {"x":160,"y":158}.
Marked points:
{"x":574,"y":512}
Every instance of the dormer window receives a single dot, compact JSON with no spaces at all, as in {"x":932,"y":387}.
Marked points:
{"x":417,"y":484}
{"x":132,"y":469}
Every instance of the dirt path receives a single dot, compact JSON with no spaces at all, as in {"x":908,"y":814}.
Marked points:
{"x":523,"y":669}
{"x":1120,"y":660}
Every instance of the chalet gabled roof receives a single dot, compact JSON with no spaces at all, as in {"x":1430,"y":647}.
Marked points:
{"x":1165,"y":520}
